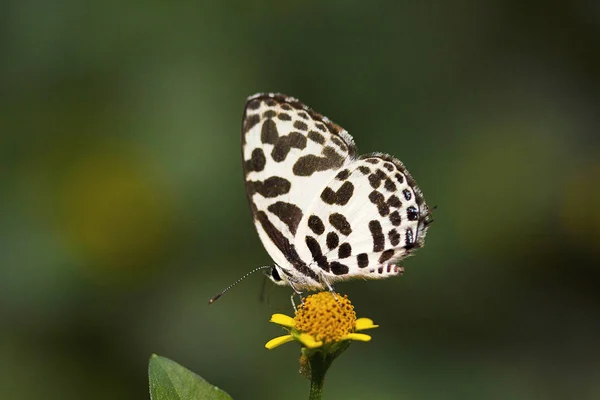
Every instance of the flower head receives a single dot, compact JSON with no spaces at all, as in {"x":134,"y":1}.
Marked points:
{"x":323,"y":319}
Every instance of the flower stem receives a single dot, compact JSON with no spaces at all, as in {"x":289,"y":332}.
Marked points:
{"x":319,"y":361}
{"x":319,"y":364}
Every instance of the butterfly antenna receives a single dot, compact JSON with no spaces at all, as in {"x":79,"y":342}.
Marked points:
{"x":215,"y":298}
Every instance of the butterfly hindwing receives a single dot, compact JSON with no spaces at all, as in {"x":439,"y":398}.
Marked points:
{"x":364,"y":220}
{"x":289,"y":153}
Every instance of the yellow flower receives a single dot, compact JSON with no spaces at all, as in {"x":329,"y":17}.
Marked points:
{"x":323,"y":319}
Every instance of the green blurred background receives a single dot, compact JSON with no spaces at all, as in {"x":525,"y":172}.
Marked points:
{"x":122,"y":207}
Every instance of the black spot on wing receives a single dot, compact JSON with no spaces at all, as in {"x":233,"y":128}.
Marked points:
{"x":284,"y":116}
{"x":284,"y":144}
{"x":340,"y":223}
{"x":317,"y":254}
{"x":386,"y":255}
{"x":345,"y":250}
{"x":379,"y":200}
{"x":271,"y":187}
{"x":341,"y":197}
{"x":409,"y":242}
{"x":316,"y":137}
{"x":250,"y":122}
{"x":338,"y":142}
{"x":343,"y":175}
{"x":309,"y":164}
{"x":376,"y":178}
{"x":364,"y":170}
{"x":394,"y":201}
{"x":407,"y":194}
{"x":316,"y":225}
{"x":395,"y":218}
{"x":257,"y":161}
{"x":301,"y":126}
{"x":394,"y":237}
{"x":412,"y":214}
{"x":297,"y":140}
{"x":288,"y":213}
{"x":253,"y":104}
{"x":377,"y":235}
{"x":362,"y":260}
{"x":338,"y":268}
{"x":333,"y":128}
{"x":389,"y":185}
{"x":332,"y":240}
{"x":389,"y":166}
{"x":269,"y":133}
{"x":269,"y":114}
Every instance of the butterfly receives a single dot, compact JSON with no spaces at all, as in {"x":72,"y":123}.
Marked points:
{"x":323,"y":213}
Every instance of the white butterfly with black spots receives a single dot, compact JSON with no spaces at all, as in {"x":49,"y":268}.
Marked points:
{"x":323,"y":213}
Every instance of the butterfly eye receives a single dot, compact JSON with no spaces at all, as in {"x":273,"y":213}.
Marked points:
{"x":275,"y":275}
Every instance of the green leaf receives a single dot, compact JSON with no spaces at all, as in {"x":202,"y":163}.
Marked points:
{"x":171,"y":381}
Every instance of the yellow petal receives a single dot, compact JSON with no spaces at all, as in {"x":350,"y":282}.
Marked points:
{"x":309,"y":341}
{"x":283,"y":320}
{"x":357,"y":336}
{"x":364,"y":323}
{"x":278,"y":341}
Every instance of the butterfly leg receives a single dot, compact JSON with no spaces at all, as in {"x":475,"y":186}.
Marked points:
{"x":296,"y":292}
{"x":294,"y":303}
{"x":324,"y":280}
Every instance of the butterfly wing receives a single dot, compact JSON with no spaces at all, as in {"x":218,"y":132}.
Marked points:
{"x":289,"y":154}
{"x":371,"y":215}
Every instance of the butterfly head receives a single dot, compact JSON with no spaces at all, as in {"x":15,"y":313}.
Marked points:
{"x":277,"y":275}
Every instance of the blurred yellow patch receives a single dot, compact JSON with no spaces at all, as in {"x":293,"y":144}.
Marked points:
{"x":112,"y":212}
{"x":580,"y":211}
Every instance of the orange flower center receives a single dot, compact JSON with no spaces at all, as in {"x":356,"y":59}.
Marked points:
{"x":326,"y":318}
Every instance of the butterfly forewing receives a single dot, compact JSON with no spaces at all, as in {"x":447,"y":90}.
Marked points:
{"x":289,"y":153}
